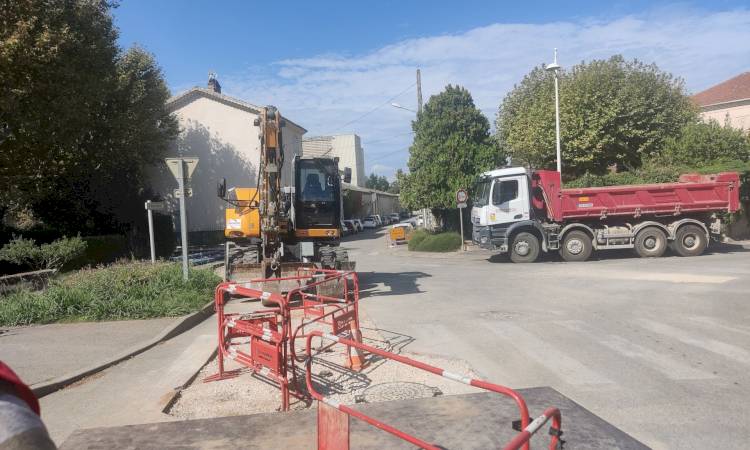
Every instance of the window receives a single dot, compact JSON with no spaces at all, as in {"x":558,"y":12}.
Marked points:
{"x":504,"y":191}
{"x":482,"y":190}
{"x":316,"y":183}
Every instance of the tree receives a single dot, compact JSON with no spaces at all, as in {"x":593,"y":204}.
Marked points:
{"x":377,"y":182}
{"x":56,"y":66}
{"x":611,"y":112}
{"x":85,"y":120}
{"x":395,"y":186}
{"x":451,"y":147}
{"x":702,"y":143}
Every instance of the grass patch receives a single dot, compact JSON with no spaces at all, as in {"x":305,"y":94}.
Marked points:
{"x":422,"y":241}
{"x":133,"y":290}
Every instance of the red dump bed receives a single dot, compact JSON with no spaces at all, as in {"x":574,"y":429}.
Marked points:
{"x":692,"y":194}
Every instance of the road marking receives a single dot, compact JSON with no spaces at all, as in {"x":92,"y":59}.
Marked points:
{"x":673,"y":369}
{"x":722,"y":348}
{"x":713,"y":323}
{"x":569,"y":369}
{"x":667,"y":276}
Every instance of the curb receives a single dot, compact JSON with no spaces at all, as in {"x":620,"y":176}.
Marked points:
{"x":177,"y":327}
{"x":177,"y":392}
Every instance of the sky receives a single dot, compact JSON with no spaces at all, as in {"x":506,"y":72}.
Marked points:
{"x":335,"y":67}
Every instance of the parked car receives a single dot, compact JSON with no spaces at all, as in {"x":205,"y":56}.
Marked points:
{"x":351,"y":226}
{"x":370,"y":222}
{"x":358,"y":224}
{"x":345,"y":230}
{"x":378,"y":219}
{"x":394,"y":218}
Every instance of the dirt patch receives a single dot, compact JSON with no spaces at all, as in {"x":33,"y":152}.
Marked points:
{"x":380,"y":380}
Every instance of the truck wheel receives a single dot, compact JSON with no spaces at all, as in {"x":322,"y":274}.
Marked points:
{"x":576,"y":246}
{"x":650,"y":242}
{"x":690,"y":240}
{"x":525,"y":248}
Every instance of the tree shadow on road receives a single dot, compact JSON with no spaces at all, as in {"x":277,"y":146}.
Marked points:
{"x":398,"y":283}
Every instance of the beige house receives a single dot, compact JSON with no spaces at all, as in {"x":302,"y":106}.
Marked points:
{"x":727,"y":102}
{"x":219,"y":130}
{"x":347,"y":147}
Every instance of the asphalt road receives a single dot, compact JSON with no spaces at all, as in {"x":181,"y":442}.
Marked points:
{"x":658,"y":347}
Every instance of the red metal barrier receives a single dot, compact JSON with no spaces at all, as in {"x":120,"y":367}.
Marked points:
{"x":262,"y":340}
{"x":330,"y":424}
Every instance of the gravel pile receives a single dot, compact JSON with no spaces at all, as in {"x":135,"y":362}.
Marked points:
{"x":380,"y":380}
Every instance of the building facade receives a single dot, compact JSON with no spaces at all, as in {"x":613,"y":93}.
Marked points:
{"x":347,"y":147}
{"x":219,"y":130}
{"x":727,"y":102}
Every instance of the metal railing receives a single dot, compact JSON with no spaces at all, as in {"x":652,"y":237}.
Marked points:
{"x":333,"y":431}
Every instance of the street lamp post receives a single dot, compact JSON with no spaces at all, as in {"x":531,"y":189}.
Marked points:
{"x":396,"y":105}
{"x":554,"y":68}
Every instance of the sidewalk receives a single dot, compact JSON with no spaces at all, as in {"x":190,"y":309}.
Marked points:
{"x":41,"y":353}
{"x":133,"y":391}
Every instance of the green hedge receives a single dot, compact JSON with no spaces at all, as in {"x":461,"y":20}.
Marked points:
{"x":133,"y":290}
{"x":102,"y":249}
{"x":422,"y":241}
{"x":417,"y":236}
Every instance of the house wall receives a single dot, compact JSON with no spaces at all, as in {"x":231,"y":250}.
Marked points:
{"x":225,"y":140}
{"x":737,"y":112}
{"x":347,"y":147}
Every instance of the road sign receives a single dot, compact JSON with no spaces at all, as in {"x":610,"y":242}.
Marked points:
{"x":462,"y":197}
{"x":174,"y":166}
{"x":155,"y":206}
{"x":178,"y":192}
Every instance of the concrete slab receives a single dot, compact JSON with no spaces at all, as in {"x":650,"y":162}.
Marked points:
{"x":44,"y":352}
{"x":468,"y":421}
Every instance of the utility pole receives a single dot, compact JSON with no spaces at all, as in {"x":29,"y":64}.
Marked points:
{"x":419,"y":91}
{"x":419,"y":111}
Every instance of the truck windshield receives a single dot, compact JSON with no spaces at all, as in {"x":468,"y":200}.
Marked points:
{"x":482,"y":190}
{"x":317,"y":182}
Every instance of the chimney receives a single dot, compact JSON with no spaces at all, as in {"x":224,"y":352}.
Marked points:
{"x":213,"y":83}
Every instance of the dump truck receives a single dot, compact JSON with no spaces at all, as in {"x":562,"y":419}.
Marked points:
{"x":525,"y":212}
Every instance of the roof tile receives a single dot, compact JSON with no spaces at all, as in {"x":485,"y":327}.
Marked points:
{"x":737,"y":88}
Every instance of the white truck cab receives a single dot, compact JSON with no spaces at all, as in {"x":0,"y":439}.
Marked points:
{"x":502,"y":202}
{"x":502,"y":196}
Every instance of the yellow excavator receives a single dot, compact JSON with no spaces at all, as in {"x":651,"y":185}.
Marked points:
{"x":272,"y":230}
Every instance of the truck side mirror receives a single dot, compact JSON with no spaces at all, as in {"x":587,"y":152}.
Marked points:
{"x":347,"y":174}
{"x":221,"y":188}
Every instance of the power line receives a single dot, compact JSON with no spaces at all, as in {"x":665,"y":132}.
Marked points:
{"x":375,"y":108}
{"x":383,"y":155}
{"x":388,"y":138}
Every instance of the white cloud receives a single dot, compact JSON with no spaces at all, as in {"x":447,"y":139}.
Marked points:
{"x":324,"y":92}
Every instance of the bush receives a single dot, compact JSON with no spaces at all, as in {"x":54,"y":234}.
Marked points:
{"x":417,"y":236}
{"x":441,"y":242}
{"x":100,"y":250}
{"x":133,"y":290}
{"x":46,"y":256}
{"x":706,"y":143}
